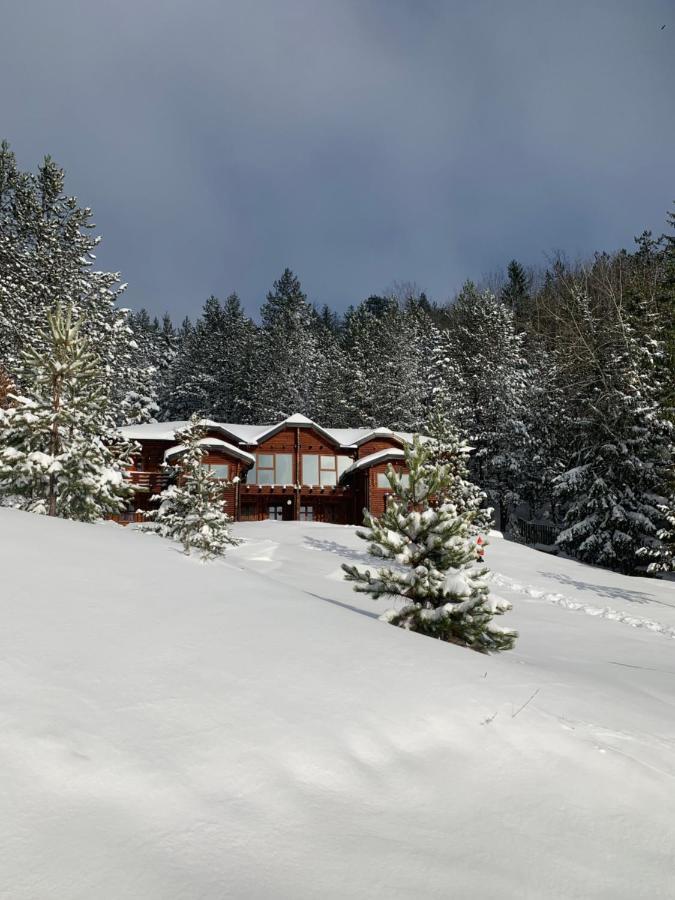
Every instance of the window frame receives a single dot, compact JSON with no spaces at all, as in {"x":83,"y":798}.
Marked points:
{"x":257,"y":468}
{"x":332,"y":469}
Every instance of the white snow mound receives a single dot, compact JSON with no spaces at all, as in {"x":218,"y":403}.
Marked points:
{"x":249,"y":729}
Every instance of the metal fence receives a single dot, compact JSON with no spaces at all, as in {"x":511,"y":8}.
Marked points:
{"x":537,"y":532}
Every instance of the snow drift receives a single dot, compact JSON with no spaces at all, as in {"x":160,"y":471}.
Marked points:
{"x":249,"y":729}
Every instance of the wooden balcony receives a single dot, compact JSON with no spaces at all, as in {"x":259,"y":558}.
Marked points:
{"x":148,"y":482}
{"x":289,"y":490}
{"x":128,"y":518}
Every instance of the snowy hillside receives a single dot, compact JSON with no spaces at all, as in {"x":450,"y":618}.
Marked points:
{"x":249,"y":729}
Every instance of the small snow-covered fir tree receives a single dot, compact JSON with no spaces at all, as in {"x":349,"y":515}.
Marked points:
{"x":191,"y":511}
{"x":59,"y":452}
{"x":446,"y":448}
{"x":433,"y":561}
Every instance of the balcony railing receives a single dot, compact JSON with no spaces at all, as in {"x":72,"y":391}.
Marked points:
{"x":148,"y":482}
{"x":128,"y":518}
{"x":288,"y":489}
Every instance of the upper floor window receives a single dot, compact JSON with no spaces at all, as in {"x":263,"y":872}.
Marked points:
{"x":272,"y":468}
{"x":323,"y":469}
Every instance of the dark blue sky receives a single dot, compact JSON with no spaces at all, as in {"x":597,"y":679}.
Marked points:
{"x":358,"y":142}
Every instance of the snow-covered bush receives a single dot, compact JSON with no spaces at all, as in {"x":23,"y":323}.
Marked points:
{"x":432,"y":552}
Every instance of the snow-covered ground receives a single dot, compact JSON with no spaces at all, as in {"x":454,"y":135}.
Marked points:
{"x":249,"y":729}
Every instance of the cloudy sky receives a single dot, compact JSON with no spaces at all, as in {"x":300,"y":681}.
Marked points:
{"x":360,"y":142}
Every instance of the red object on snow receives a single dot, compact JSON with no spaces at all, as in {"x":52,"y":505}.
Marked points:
{"x":480,"y":549}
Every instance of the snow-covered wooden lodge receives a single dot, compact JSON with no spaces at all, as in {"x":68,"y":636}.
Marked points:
{"x":294,"y":470}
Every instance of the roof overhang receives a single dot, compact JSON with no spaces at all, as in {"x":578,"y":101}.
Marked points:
{"x":374,"y":459}
{"x":213,"y":444}
{"x":380,"y":433}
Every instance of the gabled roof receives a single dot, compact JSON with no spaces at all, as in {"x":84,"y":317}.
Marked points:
{"x":295,"y":421}
{"x":374,"y":459}
{"x":213,"y":444}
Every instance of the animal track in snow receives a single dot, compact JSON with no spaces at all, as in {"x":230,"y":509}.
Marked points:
{"x":603,"y":612}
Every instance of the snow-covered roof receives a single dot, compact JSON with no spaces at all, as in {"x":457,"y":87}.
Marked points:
{"x":347,"y":438}
{"x":213,"y":444}
{"x":153,"y":431}
{"x":245,"y":433}
{"x":374,"y":458}
{"x":354,"y":437}
{"x":296,"y":420}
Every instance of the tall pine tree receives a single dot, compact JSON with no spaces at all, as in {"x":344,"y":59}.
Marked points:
{"x":47,"y":250}
{"x":60,"y":454}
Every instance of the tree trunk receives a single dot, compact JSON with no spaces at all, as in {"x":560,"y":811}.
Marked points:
{"x":54,"y":446}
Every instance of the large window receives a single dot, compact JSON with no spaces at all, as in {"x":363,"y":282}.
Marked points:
{"x":383,"y":481}
{"x":272,"y":468}
{"x":323,"y":469}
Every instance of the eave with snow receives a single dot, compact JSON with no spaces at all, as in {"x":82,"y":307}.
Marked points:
{"x":295,"y":469}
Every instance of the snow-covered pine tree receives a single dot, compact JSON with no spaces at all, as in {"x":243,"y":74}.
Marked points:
{"x":662,"y":557}
{"x":176,"y":398}
{"x":6,"y":387}
{"x":387,"y":363}
{"x":432,"y":552}
{"x":446,"y":448}
{"x":46,"y":251}
{"x":623,"y":452}
{"x":516,"y":292}
{"x":211,"y":372}
{"x":59,"y":451}
{"x":547,"y":420}
{"x":481,"y":378}
{"x":191,"y":511}
{"x":288,"y":362}
{"x":232,"y":362}
{"x":330,"y":404}
{"x":140,"y":402}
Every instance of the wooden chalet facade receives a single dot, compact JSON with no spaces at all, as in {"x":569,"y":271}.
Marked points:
{"x":295,"y":470}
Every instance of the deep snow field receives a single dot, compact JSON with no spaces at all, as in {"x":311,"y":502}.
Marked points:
{"x":248,"y":729}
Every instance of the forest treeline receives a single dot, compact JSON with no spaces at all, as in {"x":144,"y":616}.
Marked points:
{"x":561,"y":379}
